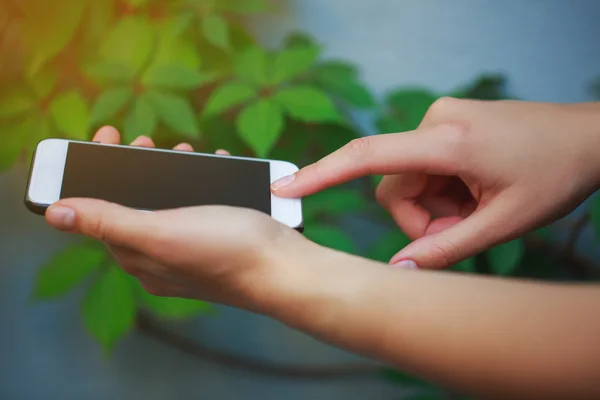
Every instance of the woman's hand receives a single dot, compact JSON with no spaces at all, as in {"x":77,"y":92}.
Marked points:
{"x":246,"y":259}
{"x":473,"y":175}
{"x":212,"y":253}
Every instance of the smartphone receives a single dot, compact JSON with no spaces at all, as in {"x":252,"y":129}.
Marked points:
{"x":155,"y":179}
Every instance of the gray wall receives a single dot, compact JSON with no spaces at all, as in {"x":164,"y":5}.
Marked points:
{"x":548,"y":49}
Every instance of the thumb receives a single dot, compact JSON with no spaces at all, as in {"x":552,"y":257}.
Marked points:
{"x":481,"y":230}
{"x":102,"y":220}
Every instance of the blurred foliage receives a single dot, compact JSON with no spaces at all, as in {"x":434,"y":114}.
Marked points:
{"x":189,"y":70}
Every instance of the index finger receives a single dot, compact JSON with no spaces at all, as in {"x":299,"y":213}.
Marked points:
{"x":394,"y":153}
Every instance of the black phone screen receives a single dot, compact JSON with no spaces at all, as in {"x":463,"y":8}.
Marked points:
{"x":156,"y":180}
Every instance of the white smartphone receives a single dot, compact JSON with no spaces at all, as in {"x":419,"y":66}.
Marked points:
{"x":154,"y":179}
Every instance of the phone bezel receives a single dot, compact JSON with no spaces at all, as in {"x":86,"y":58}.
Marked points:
{"x":48,"y":165}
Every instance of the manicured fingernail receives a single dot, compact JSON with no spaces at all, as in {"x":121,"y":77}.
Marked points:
{"x":283,"y":182}
{"x":62,"y":218}
{"x":406,"y":264}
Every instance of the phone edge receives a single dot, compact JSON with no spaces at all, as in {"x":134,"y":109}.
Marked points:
{"x":40,"y":209}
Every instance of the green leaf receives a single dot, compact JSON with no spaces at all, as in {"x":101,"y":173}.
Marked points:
{"x":175,"y":112}
{"x":307,"y":104}
{"x":17,"y":139}
{"x":298,"y":39}
{"x":173,"y":48}
{"x":330,"y":237}
{"x":15,"y":102}
{"x":486,"y":87}
{"x":595,"y":215}
{"x":333,"y":202}
{"x":376,"y":179}
{"x":240,"y":39}
{"x":409,"y":106}
{"x":110,"y":72}
{"x":339,"y":68}
{"x":99,"y":19}
{"x":295,"y":145}
{"x":43,"y":83}
{"x":71,"y":115}
{"x":223,"y":134}
{"x":345,"y":84}
{"x":130,"y":43}
{"x":468,"y":266}
{"x":109,"y":308}
{"x":260,"y":124}
{"x":244,"y":6}
{"x":226,"y":96}
{"x":66,"y":270}
{"x":174,"y":308}
{"x":251,"y":66}
{"x":292,"y":62}
{"x":543,"y":233}
{"x":216,"y":31}
{"x":109,"y":103}
{"x":39,"y":129}
{"x":330,"y":137}
{"x":48,"y":27}
{"x":10,"y":150}
{"x":505,"y":259}
{"x":389,"y":124}
{"x":175,"y":77}
{"x":141,"y":120}
{"x":387,"y":246}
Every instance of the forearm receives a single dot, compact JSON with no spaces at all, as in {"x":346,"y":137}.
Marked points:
{"x":484,"y":336}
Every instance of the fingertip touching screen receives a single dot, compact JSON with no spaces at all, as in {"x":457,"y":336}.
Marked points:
{"x":156,"y":180}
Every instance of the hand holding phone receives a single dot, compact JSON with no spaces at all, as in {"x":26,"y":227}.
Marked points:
{"x":211,"y":253}
{"x":151,"y":179}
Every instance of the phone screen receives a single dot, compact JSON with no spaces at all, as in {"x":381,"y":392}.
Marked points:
{"x":154,"y":180}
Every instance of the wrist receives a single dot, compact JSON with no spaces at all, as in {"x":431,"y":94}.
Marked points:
{"x":296,"y":275}
{"x":587,"y":116}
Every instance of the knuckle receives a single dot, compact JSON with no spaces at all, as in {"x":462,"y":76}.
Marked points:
{"x":444,"y":254}
{"x":359,"y":148}
{"x":443,"y":105}
{"x":99,"y":229}
{"x":455,"y":134}
{"x":457,"y":140}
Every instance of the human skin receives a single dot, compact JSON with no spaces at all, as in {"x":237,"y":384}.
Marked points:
{"x":473,"y":175}
{"x":495,"y":338}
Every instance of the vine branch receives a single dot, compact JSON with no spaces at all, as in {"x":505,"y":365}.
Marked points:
{"x":147,"y":326}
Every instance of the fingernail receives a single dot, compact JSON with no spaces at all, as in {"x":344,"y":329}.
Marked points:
{"x":62,"y":218}
{"x":138,"y":140}
{"x":283,"y":182}
{"x":406,"y":264}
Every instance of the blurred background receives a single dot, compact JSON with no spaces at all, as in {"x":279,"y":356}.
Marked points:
{"x":289,"y":79}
